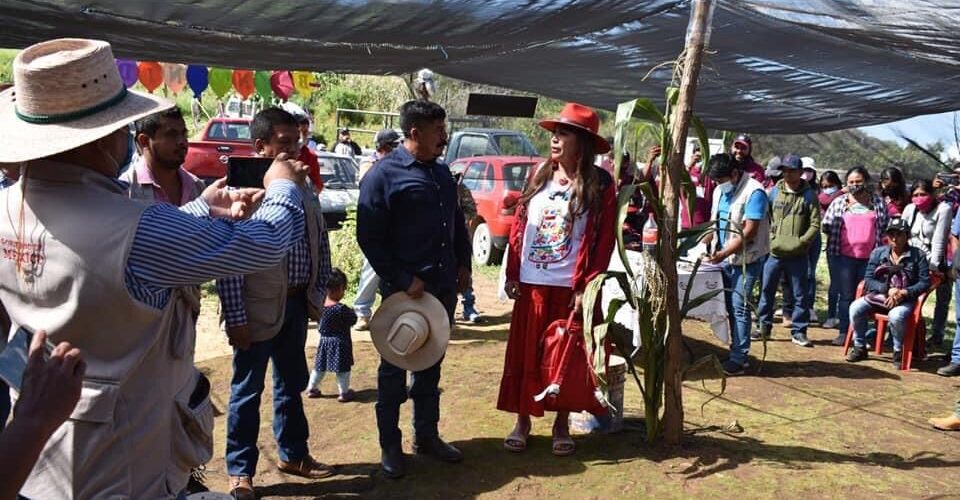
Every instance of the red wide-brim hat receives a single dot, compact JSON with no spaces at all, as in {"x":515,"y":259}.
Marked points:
{"x":581,"y":117}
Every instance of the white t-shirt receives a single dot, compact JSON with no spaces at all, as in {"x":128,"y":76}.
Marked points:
{"x":551,"y":240}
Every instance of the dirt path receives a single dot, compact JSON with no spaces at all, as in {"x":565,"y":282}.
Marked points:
{"x":813,"y":427}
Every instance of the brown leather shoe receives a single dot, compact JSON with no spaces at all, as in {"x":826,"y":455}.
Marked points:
{"x":241,"y":488}
{"x":951,"y":423}
{"x":306,"y":467}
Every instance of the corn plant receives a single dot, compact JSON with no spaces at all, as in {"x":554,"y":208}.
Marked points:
{"x":644,"y":288}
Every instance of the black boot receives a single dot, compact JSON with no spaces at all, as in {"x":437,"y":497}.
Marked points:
{"x":391,"y":460}
{"x":437,"y":448}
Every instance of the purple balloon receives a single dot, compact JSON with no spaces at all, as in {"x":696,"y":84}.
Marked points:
{"x":128,"y":71}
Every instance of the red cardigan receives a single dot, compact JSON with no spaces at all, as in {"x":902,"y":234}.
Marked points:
{"x":596,"y":248}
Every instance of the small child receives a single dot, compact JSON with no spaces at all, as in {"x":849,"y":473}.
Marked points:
{"x":335,"y":352}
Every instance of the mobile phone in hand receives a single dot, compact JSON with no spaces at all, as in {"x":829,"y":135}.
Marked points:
{"x":247,"y":171}
{"x":13,"y":359}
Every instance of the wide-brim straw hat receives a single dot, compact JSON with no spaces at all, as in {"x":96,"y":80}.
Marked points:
{"x":66,"y":93}
{"x":411,"y":333}
{"x":581,"y":117}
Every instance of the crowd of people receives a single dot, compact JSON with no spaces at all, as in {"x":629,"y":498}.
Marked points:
{"x":103,"y":218}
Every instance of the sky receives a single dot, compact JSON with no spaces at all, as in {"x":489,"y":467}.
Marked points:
{"x":923,"y":129}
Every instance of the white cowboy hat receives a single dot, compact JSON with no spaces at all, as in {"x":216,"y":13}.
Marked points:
{"x":66,"y":93}
{"x":411,"y":333}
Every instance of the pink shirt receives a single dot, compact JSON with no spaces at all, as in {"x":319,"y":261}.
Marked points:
{"x":859,"y":235}
{"x":145,"y":177}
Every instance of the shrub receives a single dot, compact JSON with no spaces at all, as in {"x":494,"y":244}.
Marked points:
{"x":345,"y":253}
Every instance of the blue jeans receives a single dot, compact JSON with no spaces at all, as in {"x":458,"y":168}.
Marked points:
{"x":940,"y":311}
{"x":813,"y":256}
{"x":739,"y":288}
{"x":290,"y":374}
{"x":861,"y":313}
{"x":833,"y":292}
{"x":795,"y":269}
{"x":392,"y":391}
{"x":366,"y":291}
{"x":955,"y":352}
{"x":850,"y":273}
{"x":468,"y":300}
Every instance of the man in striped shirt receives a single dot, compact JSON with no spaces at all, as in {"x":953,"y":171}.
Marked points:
{"x":306,"y":270}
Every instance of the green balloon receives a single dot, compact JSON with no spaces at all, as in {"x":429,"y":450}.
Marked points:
{"x":221,"y":81}
{"x":261,"y":80}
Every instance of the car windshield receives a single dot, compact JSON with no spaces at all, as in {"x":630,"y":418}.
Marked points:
{"x":514,"y":145}
{"x":338,"y":173}
{"x":230,"y":131}
{"x":515,"y":175}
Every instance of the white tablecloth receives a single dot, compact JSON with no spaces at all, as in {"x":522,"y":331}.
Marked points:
{"x":708,"y":278}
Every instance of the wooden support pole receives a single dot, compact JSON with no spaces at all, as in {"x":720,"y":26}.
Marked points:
{"x":674,"y":362}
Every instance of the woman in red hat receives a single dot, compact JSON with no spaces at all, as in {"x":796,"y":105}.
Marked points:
{"x":562,"y":238}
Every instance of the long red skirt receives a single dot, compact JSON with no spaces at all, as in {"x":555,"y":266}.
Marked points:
{"x":537,"y":307}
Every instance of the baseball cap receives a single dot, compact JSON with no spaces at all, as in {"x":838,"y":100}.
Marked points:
{"x":792,"y":162}
{"x":744,"y":139}
{"x":387,"y":136}
{"x":343,"y":130}
{"x":773,"y":167}
{"x":898,"y":225}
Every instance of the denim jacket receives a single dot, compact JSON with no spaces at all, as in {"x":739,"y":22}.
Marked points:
{"x":915,"y":266}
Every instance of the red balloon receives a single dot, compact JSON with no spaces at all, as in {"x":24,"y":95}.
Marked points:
{"x":282,"y":84}
{"x":243,"y":82}
{"x":150,"y":74}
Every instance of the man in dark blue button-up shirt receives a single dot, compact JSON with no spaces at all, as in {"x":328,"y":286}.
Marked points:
{"x":412,"y":230}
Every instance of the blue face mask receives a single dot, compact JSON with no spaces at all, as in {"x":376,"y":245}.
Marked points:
{"x":830,"y":190}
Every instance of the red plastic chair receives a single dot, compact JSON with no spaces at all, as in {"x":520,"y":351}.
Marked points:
{"x":915,"y":331}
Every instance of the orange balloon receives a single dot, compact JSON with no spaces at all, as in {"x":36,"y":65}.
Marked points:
{"x":243,"y":82}
{"x":150,"y":74}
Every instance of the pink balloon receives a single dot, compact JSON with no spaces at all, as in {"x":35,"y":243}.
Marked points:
{"x":174,"y":76}
{"x":282,"y":84}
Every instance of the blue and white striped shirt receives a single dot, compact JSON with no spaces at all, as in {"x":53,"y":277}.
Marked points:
{"x":176,"y":247}
{"x":298,"y":274}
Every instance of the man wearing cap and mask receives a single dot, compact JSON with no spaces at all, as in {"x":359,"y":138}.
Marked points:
{"x":387,"y":140}
{"x":345,"y":145}
{"x":742,"y":151}
{"x":96,"y":269}
{"x":742,"y":244}
{"x":411,"y":228}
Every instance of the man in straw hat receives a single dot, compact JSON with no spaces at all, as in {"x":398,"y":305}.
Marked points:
{"x":96,"y":269}
{"x":411,"y":229}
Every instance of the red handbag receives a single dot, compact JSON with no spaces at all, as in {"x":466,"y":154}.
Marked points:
{"x":566,"y":372}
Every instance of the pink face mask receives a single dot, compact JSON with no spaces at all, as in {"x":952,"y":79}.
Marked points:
{"x":924,"y":202}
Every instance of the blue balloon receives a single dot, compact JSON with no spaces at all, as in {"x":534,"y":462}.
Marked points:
{"x":198,"y":79}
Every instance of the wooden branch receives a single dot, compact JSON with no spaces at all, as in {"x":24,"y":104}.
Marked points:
{"x":670,"y":177}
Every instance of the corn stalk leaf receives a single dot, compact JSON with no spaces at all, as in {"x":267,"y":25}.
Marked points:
{"x":692,"y":237}
{"x":645,"y":109}
{"x":689,"y":305}
{"x":623,"y":204}
{"x":624,"y":114}
{"x":704,"y":140}
{"x":714,"y":362}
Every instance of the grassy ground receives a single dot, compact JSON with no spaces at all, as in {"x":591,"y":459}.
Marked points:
{"x":808,"y":425}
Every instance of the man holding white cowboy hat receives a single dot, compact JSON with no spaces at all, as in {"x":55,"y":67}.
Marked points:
{"x":94,"y":268}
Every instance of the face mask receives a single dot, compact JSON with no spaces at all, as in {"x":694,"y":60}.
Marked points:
{"x":923,"y":202}
{"x":830,"y":190}
{"x":726,"y":187}
{"x":856,"y":188}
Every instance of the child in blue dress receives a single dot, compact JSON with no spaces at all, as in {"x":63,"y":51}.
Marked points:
{"x":335,"y":352}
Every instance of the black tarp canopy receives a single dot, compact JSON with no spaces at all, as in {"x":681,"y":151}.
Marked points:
{"x":774,"y":66}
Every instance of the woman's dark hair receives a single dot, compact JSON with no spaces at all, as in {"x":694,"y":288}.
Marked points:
{"x":831,"y":178}
{"x":925,"y":184}
{"x":416,"y":113}
{"x":899,"y":192}
{"x":586,"y":186}
{"x":263,"y":122}
{"x":337,"y":279}
{"x":858,"y":169}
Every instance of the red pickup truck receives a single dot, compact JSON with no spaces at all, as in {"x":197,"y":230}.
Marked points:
{"x":221,"y":138}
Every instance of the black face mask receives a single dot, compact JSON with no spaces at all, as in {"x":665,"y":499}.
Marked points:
{"x":890,"y":190}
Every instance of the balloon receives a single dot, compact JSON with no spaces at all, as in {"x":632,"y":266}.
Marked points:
{"x":261,"y":80}
{"x":220,"y":81}
{"x":150,"y":74}
{"x":243,"y":82}
{"x":174,"y":76}
{"x":303,"y":81}
{"x":198,"y":79}
{"x":128,"y":71}
{"x":282,"y":84}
